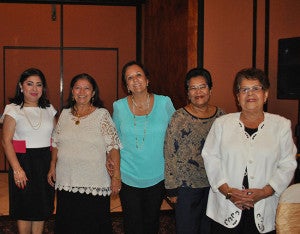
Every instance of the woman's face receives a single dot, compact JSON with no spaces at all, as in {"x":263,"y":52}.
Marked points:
{"x":251,"y":96}
{"x":135,"y":79}
{"x":82,"y":92}
{"x":198,"y":91}
{"x":32,"y":89}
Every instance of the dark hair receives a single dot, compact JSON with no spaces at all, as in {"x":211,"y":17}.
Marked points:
{"x":124,"y":69}
{"x":18,"y":99}
{"x":197,"y":72}
{"x":95,"y":101}
{"x":250,"y":74}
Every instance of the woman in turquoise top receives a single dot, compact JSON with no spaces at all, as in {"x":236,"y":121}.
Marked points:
{"x":141,"y":119}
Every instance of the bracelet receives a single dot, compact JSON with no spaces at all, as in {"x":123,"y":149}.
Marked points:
{"x":117,"y":178}
{"x":228,"y":194}
{"x":16,"y":172}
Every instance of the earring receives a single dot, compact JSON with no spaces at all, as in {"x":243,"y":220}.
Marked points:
{"x":21,"y":90}
{"x":93,"y":99}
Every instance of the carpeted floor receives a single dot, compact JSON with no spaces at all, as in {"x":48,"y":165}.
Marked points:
{"x":167,"y":224}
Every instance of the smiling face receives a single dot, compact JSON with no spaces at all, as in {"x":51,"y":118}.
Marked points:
{"x":251,"y":96}
{"x":83,"y":92}
{"x":32,"y":89}
{"x":136,"y":79}
{"x":198,"y":91}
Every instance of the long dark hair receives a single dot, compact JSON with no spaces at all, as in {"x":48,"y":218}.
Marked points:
{"x":18,"y":99}
{"x":95,"y":100}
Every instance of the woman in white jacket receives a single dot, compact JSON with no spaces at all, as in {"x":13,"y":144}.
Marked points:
{"x":249,"y":158}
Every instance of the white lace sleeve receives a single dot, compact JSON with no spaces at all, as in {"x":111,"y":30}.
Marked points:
{"x":109,"y":132}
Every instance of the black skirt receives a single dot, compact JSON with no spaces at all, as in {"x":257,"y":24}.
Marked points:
{"x":36,"y":201}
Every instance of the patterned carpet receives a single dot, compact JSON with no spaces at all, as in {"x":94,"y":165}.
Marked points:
{"x":167,"y":224}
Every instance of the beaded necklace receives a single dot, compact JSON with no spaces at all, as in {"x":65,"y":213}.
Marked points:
{"x":137,"y":144}
{"x":37,"y":125}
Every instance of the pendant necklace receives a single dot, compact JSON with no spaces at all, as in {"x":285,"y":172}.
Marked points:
{"x":137,"y":145}
{"x":37,"y":125}
{"x":80,"y":117}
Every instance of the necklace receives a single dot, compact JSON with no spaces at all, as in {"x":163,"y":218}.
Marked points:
{"x":37,"y":125}
{"x":140,"y":107}
{"x":80,"y":117}
{"x":137,"y":144}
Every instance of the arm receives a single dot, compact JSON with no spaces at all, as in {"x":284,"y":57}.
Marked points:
{"x":113,"y":152}
{"x":9,"y":125}
{"x":114,"y":155}
{"x":286,"y":163}
{"x":52,"y":174}
{"x":51,"y":177}
{"x":171,"y":166}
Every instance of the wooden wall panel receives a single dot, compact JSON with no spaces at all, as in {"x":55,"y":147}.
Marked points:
{"x":19,"y":59}
{"x":166,"y":47}
{"x":90,"y":38}
{"x":227,"y":46}
{"x":284,"y":23}
{"x":100,"y":64}
{"x":106,"y":27}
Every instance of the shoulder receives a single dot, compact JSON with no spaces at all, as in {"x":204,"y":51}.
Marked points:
{"x":162,"y":98}
{"x":51,"y":110}
{"x":65,"y":112}
{"x":120,"y":102}
{"x":102,"y":111}
{"x":181,"y":112}
{"x":220,"y":111}
{"x":12,"y":109}
{"x":276,"y":119}
{"x":230,"y":116}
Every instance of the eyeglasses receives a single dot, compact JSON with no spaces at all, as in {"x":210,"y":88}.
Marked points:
{"x":202,"y":87}
{"x":254,"y":89}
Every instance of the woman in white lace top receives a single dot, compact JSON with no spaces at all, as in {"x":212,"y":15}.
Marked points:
{"x":85,"y":134}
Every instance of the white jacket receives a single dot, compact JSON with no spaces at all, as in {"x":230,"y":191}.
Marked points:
{"x":269,"y":156}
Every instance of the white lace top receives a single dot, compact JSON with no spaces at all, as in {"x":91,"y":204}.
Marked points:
{"x":82,"y":152}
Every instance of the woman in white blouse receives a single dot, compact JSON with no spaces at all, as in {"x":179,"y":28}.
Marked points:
{"x":85,"y":134}
{"x":27,"y":127}
{"x":249,"y":157}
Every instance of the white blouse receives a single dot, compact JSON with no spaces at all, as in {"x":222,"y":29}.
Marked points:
{"x":34,"y":125}
{"x":82,"y":152}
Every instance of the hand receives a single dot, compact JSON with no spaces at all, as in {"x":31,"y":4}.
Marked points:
{"x":259,"y":194}
{"x":172,"y":199}
{"x":110,"y":165}
{"x":51,"y":177}
{"x":242,"y":198}
{"x":20,"y":178}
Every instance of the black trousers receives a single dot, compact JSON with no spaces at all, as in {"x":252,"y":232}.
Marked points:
{"x":190,"y":211}
{"x":141,"y":208}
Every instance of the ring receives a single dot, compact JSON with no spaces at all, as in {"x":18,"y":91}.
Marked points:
{"x":18,"y":181}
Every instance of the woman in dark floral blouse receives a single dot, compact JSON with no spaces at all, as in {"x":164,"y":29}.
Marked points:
{"x":185,"y":177}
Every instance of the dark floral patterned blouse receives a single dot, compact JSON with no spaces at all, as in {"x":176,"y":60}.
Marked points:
{"x":185,"y":137}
